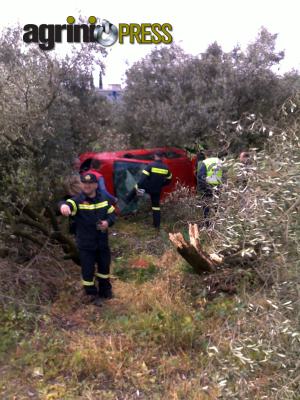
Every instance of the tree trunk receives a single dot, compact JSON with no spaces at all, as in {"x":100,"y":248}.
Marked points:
{"x":201,"y":261}
{"x":192,"y":252}
{"x":38,"y":228}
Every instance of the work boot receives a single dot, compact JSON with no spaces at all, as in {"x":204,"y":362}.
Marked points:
{"x":106,"y":293}
{"x":105,"y":289}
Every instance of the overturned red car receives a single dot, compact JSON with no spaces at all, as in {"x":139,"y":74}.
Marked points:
{"x":122,"y":169}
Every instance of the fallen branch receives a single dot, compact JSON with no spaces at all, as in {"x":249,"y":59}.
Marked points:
{"x":192,"y":252}
{"x":201,"y":261}
{"x":47,"y":226}
{"x":28,"y":236}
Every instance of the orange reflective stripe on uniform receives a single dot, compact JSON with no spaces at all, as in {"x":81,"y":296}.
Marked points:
{"x":103,"y":276}
{"x":145,"y":172}
{"x":111,"y":210}
{"x":74,"y":206}
{"x":161,"y":171}
{"x":93,"y":206}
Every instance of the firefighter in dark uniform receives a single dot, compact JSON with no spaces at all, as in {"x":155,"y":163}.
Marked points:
{"x":93,"y":214}
{"x":155,"y":176}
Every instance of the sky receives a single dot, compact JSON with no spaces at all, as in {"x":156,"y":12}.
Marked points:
{"x":195,"y":24}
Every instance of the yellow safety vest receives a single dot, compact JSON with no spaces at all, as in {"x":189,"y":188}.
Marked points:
{"x":213,"y":171}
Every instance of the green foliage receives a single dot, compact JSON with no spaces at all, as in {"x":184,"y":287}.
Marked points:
{"x":174,"y":98}
{"x":162,"y":336}
{"x":42,"y":355}
{"x":168,"y":328}
{"x":14,"y":325}
{"x":257,"y":204}
{"x":138,"y":275}
{"x":50,"y":113}
{"x":221,"y":307}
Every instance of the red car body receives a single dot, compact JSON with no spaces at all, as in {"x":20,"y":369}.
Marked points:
{"x":114,"y":164}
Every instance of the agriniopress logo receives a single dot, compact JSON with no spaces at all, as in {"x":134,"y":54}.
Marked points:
{"x":98,"y":31}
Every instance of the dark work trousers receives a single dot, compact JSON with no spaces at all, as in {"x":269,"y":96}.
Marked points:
{"x":88,"y":258}
{"x":72,"y":226}
{"x":155,"y":203}
{"x":155,"y":199}
{"x":131,"y":195}
{"x":207,"y":199}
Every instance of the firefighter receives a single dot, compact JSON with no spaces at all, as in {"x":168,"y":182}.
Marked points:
{"x":199,"y":159}
{"x":209,"y":179}
{"x":94,"y":169}
{"x":155,"y":176}
{"x":93,"y":214}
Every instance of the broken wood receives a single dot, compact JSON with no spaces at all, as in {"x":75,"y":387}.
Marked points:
{"x":192,"y":252}
{"x":201,"y":261}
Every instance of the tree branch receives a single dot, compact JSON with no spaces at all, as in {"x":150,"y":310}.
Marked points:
{"x":26,"y":235}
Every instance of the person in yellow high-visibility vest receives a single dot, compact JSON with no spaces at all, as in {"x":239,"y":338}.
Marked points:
{"x":209,"y":178}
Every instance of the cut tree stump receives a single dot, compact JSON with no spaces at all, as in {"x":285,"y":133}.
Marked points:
{"x":203,"y":262}
{"x":192,"y":252}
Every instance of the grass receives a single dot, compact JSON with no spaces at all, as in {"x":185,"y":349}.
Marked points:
{"x":161,"y":337}
{"x":14,"y":324}
{"x":137,"y":270}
